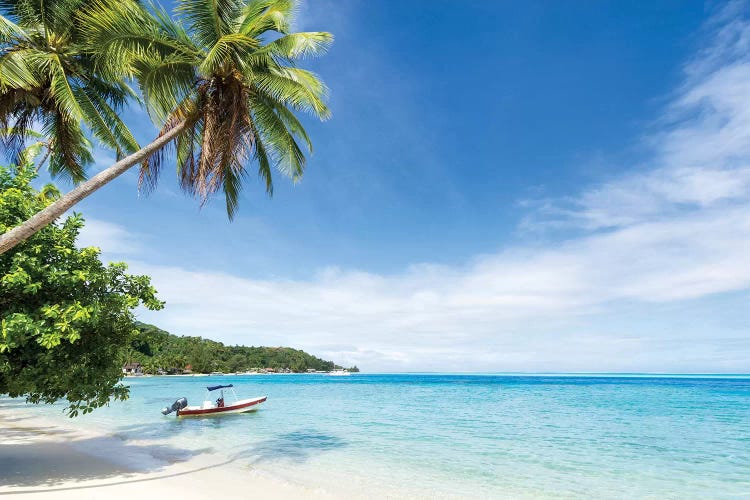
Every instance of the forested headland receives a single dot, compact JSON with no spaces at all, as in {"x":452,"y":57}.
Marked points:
{"x":159,"y":351}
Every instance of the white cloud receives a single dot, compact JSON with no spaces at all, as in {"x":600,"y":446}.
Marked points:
{"x":111,"y":238}
{"x":671,"y":232}
{"x":701,"y":155}
{"x":429,"y":315}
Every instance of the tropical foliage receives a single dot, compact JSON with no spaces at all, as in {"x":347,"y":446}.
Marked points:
{"x":159,"y":351}
{"x":220,"y":79}
{"x":49,"y":81}
{"x":225,"y":70}
{"x":66,"y":319}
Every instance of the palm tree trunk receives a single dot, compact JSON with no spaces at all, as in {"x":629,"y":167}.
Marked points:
{"x":41,"y":219}
{"x":44,"y":159}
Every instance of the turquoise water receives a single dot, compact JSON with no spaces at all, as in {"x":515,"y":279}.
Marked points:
{"x":478,"y":436}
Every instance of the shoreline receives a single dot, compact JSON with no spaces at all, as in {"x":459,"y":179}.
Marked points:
{"x":655,"y":375}
{"x":219,"y":374}
{"x":42,"y":458}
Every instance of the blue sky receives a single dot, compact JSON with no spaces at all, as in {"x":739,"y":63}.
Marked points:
{"x":504,"y":186}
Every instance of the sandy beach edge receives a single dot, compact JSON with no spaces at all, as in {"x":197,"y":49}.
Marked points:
{"x":41,"y":457}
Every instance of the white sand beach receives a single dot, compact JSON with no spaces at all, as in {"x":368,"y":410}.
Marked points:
{"x":39,"y":458}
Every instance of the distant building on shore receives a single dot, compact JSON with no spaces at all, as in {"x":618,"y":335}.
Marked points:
{"x":133,"y":368}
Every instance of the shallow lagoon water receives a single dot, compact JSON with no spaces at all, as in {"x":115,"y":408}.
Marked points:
{"x":479,"y":436}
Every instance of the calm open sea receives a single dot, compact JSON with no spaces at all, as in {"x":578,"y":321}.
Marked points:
{"x":478,"y":436}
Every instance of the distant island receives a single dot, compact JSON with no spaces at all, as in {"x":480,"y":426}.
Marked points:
{"x":158,"y":352}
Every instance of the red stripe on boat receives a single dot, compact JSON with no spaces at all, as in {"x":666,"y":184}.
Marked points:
{"x":206,"y":411}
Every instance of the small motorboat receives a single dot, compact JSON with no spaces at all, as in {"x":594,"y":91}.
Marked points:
{"x":339,"y":373}
{"x":219,"y":407}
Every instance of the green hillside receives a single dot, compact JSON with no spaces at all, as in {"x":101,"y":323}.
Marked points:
{"x":160,"y":351}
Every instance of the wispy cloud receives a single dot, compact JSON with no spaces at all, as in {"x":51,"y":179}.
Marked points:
{"x":700,"y":153}
{"x":431,"y":314}
{"x":673,"y":230}
{"x":112,"y":239}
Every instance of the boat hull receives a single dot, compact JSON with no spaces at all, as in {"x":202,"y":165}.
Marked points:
{"x":242,"y":406}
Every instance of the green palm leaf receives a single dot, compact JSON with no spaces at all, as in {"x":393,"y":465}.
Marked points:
{"x":221,"y":68}
{"x":299,"y":45}
{"x":294,"y":87}
{"x":16,"y":71}
{"x":49,"y":79}
{"x":226,"y":50}
{"x":220,"y":80}
{"x":262,"y":16}
{"x":10,"y":30}
{"x":222,"y":72}
{"x":290,"y":159}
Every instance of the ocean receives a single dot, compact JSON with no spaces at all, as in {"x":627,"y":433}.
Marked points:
{"x":462,"y":436}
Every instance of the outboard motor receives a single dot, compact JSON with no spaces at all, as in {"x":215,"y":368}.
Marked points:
{"x":177,"y":405}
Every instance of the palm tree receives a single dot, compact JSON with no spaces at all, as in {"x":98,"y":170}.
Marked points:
{"x":221,"y":83}
{"x":48,"y":80}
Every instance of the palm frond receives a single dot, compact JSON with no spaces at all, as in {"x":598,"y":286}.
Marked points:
{"x":290,"y":160}
{"x":165,"y":82}
{"x":120,"y":33}
{"x":49,"y":192}
{"x":71,"y":150}
{"x":209,"y":20}
{"x":49,"y":79}
{"x":104,"y":122}
{"x":19,"y":109}
{"x":61,"y":91}
{"x":260,"y":16}
{"x":299,"y":45}
{"x":218,"y":70}
{"x":227,"y":48}
{"x":233,"y":174}
{"x":16,"y":71}
{"x":260,"y":154}
{"x":187,"y":114}
{"x":291,"y":122}
{"x":295,"y":87}
{"x":10,"y":30}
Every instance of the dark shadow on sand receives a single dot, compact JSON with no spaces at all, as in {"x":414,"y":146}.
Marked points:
{"x":28,"y":466}
{"x":45,"y":464}
{"x":116,"y":483}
